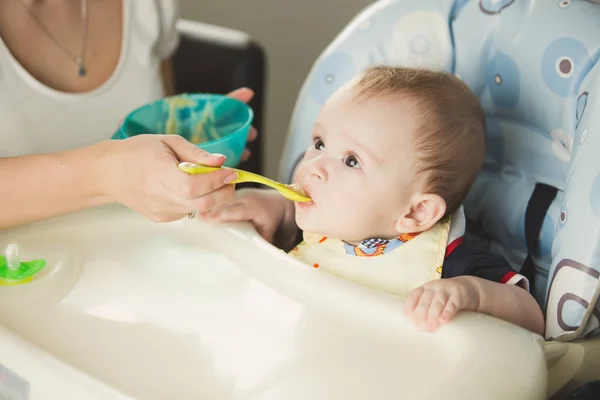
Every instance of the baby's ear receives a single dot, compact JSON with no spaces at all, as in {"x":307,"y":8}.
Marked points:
{"x":425,"y":211}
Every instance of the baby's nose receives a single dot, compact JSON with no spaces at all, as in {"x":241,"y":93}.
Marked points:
{"x":318,"y":171}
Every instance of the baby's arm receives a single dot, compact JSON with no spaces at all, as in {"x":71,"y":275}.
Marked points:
{"x":480,"y":281}
{"x":437,"y":302}
{"x":508,"y":302}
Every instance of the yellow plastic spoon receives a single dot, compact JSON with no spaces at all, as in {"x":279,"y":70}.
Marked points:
{"x":292,"y":192}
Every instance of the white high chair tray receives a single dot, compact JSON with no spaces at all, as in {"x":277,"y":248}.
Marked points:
{"x":127,"y":308}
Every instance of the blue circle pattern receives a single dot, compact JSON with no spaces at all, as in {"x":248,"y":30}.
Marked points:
{"x":564,"y":212}
{"x":562,"y":4}
{"x":331,"y":74}
{"x":573,"y":54}
{"x":420,"y":45}
{"x":494,"y":7}
{"x":503,"y":81}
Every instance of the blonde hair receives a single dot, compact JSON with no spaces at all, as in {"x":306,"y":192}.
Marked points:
{"x":450,"y":144}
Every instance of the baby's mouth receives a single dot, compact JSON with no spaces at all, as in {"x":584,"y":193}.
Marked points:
{"x":296,"y":187}
{"x":305,"y":191}
{"x":304,"y":205}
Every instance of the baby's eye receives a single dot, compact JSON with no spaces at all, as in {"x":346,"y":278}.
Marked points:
{"x":318,"y":144}
{"x":351,"y":161}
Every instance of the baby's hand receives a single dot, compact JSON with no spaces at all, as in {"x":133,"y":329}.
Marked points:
{"x":438,"y":301}
{"x":269,"y":212}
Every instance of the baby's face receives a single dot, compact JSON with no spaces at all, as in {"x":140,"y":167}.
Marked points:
{"x":360,"y":169}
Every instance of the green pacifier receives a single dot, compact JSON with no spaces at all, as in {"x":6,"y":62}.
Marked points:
{"x":14,"y":271}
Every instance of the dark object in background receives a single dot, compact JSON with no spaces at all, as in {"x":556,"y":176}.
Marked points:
{"x":589,"y":391}
{"x":212,"y":59}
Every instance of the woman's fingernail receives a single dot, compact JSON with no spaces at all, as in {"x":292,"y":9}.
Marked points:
{"x":216,"y":155}
{"x":231,"y":178}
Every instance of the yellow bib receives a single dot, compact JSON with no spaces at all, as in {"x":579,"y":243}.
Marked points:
{"x":413,"y":261}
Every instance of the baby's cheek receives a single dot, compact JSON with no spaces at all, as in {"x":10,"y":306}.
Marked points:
{"x":309,"y":155}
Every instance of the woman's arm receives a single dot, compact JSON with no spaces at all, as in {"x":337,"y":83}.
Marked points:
{"x":140,"y":172}
{"x":35,"y":187}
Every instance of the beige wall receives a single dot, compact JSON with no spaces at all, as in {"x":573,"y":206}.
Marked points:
{"x":293,"y":34}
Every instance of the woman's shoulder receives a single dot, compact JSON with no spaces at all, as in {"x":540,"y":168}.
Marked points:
{"x":156,"y":20}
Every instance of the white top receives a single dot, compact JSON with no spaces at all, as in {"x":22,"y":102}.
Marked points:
{"x":35,"y":118}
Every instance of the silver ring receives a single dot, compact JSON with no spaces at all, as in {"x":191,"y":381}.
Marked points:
{"x":192,"y":214}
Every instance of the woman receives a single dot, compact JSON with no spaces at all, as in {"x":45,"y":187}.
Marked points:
{"x":70,"y":70}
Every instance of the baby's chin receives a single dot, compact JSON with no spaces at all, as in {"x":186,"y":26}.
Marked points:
{"x":321,"y":227}
{"x":307,"y":224}
{"x":313,"y":219}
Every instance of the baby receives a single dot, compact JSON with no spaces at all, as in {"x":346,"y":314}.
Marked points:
{"x":394,"y":153}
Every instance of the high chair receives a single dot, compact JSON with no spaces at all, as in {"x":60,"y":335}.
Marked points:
{"x":129,"y":309}
{"x":535,"y":66}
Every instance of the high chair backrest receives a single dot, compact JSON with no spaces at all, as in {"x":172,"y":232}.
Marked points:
{"x":535,"y":66}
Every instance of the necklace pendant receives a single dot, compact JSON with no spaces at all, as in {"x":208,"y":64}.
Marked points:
{"x":81,"y":70}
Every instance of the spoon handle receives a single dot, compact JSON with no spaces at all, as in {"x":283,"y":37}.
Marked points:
{"x":243,"y":176}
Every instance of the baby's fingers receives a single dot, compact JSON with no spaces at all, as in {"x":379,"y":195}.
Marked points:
{"x":437,"y":306}
{"x":449,"y":312}
{"x":421,"y":311}
{"x":412,"y":300}
{"x":230,"y":212}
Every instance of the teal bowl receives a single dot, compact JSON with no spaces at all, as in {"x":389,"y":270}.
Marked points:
{"x":214,"y":122}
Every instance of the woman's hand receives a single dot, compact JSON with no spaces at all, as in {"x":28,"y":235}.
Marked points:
{"x":245,"y":95}
{"x":141,"y":172}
